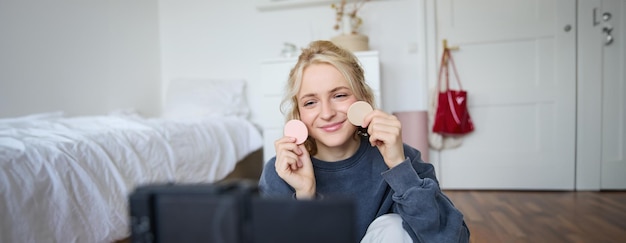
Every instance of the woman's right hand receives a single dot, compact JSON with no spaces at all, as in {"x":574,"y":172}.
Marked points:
{"x":294,"y":166}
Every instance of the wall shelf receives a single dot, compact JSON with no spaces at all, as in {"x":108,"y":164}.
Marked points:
{"x":264,"y":5}
{"x":283,"y":4}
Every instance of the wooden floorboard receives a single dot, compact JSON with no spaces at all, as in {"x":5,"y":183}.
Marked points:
{"x":530,"y":216}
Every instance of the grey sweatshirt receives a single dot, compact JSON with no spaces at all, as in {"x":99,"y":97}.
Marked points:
{"x":410,"y":189}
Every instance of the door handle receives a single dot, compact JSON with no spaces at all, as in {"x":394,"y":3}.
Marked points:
{"x":606,"y":16}
{"x":609,"y":37}
{"x":607,"y":29}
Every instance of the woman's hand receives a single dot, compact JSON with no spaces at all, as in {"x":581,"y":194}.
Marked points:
{"x":294,"y":166}
{"x":385,"y":133}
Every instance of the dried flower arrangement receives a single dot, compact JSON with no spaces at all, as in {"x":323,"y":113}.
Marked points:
{"x":355,"y":20}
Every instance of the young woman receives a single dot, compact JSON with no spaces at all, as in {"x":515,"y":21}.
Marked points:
{"x":396,"y":193}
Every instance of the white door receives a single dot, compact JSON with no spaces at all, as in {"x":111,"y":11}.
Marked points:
{"x":517,"y":60}
{"x":611,"y":22}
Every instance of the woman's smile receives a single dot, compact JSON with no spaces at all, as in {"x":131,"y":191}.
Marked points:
{"x":332,"y":126}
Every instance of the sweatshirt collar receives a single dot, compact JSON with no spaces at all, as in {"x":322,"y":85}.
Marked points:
{"x":342,"y":164}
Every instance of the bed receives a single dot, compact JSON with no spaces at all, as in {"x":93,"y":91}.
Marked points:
{"x":67,"y":179}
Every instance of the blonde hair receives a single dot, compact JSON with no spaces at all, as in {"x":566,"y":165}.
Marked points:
{"x":324,"y":52}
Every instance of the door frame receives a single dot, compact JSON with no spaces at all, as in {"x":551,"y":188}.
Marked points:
{"x":428,"y":61}
{"x":594,"y":170}
{"x":589,"y":102}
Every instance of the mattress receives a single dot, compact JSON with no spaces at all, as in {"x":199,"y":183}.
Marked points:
{"x":67,"y":179}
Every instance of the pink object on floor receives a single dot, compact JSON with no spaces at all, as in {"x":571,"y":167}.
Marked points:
{"x":415,"y":130}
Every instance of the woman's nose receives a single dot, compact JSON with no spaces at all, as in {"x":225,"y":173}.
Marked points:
{"x":328,"y":111}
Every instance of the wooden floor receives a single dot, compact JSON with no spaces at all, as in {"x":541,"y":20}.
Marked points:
{"x":523,"y":216}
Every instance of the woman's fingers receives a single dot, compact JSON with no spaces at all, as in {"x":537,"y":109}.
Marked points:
{"x":385,"y":132}
{"x":287,"y":143}
{"x":287,"y":153}
{"x":304,"y":160}
{"x":293,"y":164}
{"x":382,"y":126}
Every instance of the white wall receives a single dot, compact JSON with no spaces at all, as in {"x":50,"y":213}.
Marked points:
{"x":82,"y":57}
{"x":228,"y":40}
{"x":92,"y":57}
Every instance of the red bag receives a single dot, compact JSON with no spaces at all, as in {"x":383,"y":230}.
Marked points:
{"x":452,"y":116}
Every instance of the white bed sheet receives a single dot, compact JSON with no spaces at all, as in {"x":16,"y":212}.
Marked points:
{"x":68,"y":179}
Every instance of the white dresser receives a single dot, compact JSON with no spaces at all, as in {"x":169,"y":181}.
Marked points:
{"x":274,"y":75}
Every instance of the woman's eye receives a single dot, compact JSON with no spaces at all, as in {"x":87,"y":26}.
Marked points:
{"x":340,"y":95}
{"x":308,"y":103}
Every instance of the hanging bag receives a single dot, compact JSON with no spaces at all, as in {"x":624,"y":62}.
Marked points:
{"x":452,"y":117}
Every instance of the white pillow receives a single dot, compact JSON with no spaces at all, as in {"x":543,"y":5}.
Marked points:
{"x":201,"y":98}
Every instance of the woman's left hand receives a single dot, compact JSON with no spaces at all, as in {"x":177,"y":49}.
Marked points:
{"x":385,"y":133}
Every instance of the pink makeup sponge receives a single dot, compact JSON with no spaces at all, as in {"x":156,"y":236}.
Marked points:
{"x":296,"y":129}
{"x":357,"y":112}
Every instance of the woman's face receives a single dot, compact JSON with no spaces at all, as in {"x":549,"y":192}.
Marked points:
{"x":323,"y":101}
